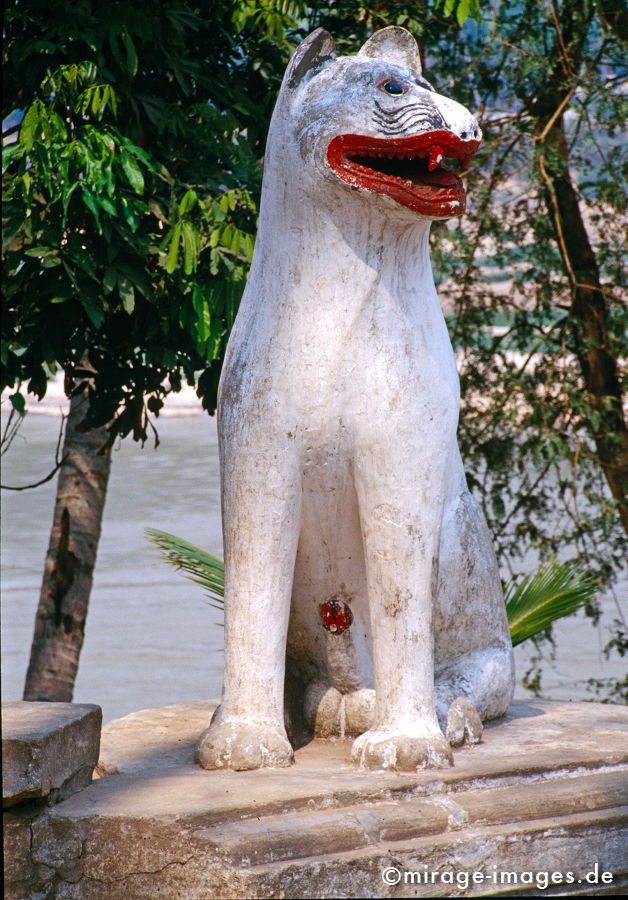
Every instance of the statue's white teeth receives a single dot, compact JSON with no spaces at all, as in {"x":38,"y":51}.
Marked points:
{"x":435,"y":158}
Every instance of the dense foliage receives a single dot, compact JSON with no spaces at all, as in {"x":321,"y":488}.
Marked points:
{"x":509,"y":290}
{"x":128,"y":219}
{"x":531,"y":281}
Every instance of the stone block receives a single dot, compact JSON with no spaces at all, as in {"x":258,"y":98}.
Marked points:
{"x":49,"y":750}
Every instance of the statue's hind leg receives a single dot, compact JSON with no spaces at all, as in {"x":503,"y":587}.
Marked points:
{"x":474,"y":675}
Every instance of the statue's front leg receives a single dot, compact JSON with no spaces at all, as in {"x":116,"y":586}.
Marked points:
{"x":400,"y":510}
{"x":261,"y":511}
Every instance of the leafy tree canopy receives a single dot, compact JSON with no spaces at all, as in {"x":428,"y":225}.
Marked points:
{"x":128,"y":221}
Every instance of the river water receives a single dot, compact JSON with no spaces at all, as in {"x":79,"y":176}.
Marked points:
{"x":152,"y":638}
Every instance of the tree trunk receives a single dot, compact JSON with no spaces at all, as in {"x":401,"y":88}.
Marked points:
{"x":588,"y":313}
{"x":70,"y":561}
{"x":589,"y":322}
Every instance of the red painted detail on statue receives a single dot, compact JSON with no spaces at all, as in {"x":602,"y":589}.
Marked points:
{"x":336,"y":616}
{"x":410,"y":170}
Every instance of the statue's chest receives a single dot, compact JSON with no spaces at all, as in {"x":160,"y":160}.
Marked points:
{"x":345,"y":335}
{"x":378,"y":361}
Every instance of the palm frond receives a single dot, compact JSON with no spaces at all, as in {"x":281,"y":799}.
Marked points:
{"x":197,"y":564}
{"x":537,"y":600}
{"x":532,"y":604}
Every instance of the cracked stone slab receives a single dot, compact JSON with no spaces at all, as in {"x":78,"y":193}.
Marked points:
{"x":546,"y":789}
{"x":48,"y":749}
{"x":535,"y":739}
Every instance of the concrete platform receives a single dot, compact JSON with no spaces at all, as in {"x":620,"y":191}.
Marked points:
{"x":544,"y":797}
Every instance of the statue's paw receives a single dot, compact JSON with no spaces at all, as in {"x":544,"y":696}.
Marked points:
{"x":322,"y":709}
{"x":463,"y":723}
{"x":359,"y":711}
{"x":232,"y":743}
{"x":378,"y":749}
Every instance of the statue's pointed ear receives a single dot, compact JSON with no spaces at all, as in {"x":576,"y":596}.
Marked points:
{"x":394,"y":44}
{"x":315,"y":51}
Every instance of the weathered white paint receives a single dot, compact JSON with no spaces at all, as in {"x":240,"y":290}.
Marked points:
{"x":341,"y":473}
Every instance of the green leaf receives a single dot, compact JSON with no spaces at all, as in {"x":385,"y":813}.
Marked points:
{"x":109,"y":99}
{"x":127,"y":294}
{"x":203,"y":318}
{"x":67,"y":196}
{"x":18,"y":403}
{"x":131,"y":54}
{"x":106,"y":204}
{"x":226,"y":236}
{"x":96,"y":101}
{"x":133,"y":173}
{"x":199,"y":565}
{"x":109,"y":280}
{"x":248,"y":246}
{"x":129,"y":214}
{"x":83,"y":260}
{"x":188,"y":201}
{"x":9,"y":153}
{"x":41,"y":251}
{"x":556,"y":590}
{"x":113,"y":44}
{"x":189,"y":248}
{"x":218,"y":213}
{"x":90,"y":202}
{"x":94,"y":312}
{"x":173,"y":252}
{"x":236,"y":240}
{"x":462,"y":11}
{"x":31,"y":125}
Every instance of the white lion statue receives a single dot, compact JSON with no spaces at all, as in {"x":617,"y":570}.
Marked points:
{"x":362,"y":595}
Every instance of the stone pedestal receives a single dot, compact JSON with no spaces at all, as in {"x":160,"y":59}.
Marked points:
{"x":544,"y":792}
{"x":49,"y":751}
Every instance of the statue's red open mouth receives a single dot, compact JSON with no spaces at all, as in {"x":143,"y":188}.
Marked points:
{"x":410,"y":170}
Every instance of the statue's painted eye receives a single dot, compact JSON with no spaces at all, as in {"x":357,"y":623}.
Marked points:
{"x":392,"y":87}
